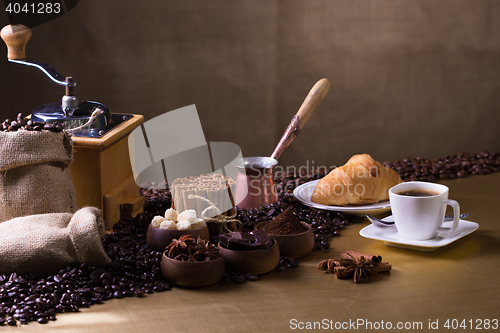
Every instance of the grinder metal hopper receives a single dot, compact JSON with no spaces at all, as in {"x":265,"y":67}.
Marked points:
{"x":101,"y":171}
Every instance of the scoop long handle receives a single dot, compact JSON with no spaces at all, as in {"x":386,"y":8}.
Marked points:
{"x":310,"y":104}
{"x":312,"y":101}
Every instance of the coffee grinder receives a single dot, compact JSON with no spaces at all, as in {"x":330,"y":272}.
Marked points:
{"x":101,"y":171}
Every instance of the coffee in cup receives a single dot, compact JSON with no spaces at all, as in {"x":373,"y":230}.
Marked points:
{"x":419,"y":207}
{"x":417,"y":192}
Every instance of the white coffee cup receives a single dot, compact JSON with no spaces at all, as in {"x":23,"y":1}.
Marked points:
{"x":419,"y":217}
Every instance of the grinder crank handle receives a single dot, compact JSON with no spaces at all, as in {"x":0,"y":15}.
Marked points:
{"x":16,"y":36}
{"x":310,"y":104}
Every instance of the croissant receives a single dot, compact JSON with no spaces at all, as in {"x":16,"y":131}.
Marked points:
{"x":362,"y":180}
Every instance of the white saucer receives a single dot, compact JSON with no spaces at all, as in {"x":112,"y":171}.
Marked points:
{"x":390,"y":237}
{"x":303,"y":194}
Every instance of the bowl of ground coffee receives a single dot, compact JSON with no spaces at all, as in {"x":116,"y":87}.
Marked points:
{"x":295,"y":238}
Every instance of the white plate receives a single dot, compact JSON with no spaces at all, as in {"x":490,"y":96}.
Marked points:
{"x":389,"y":235}
{"x":303,"y":194}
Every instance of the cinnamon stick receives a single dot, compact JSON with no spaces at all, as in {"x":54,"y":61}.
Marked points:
{"x":384,"y":266}
{"x":354,"y":254}
{"x":339,"y":272}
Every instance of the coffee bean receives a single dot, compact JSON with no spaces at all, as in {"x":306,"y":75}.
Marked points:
{"x":286,"y":263}
{"x":23,"y":124}
{"x":252,"y":277}
{"x":240,"y":279}
{"x":11,"y":321}
{"x":281,"y":267}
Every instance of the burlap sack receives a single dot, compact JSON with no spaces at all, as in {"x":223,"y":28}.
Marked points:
{"x":34,"y":174}
{"x":43,"y":244}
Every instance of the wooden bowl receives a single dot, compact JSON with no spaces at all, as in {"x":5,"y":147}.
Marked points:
{"x":293,"y":246}
{"x":192,"y":273}
{"x":158,"y":239}
{"x":251,"y":261}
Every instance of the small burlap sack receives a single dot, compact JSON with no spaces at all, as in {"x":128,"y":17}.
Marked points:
{"x":34,"y":174}
{"x":43,"y":244}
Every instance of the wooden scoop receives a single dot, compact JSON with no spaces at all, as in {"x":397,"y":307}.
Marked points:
{"x":310,"y":104}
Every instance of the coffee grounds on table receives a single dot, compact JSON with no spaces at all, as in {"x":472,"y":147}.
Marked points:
{"x":285,"y":223}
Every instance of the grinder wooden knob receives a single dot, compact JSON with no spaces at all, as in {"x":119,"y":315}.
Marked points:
{"x":16,"y":36}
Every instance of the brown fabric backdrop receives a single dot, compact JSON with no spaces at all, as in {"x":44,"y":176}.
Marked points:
{"x":408,"y":78}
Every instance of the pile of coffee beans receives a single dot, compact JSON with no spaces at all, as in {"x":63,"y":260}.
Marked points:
{"x":135,"y":269}
{"x":234,"y":277}
{"x":449,"y":167}
{"x":23,"y":124}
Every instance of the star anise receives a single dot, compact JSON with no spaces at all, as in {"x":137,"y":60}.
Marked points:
{"x":177,"y":246}
{"x":185,"y":256}
{"x":358,"y":268}
{"x":206,"y":251}
{"x":355,"y":265}
{"x":187,"y":249}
